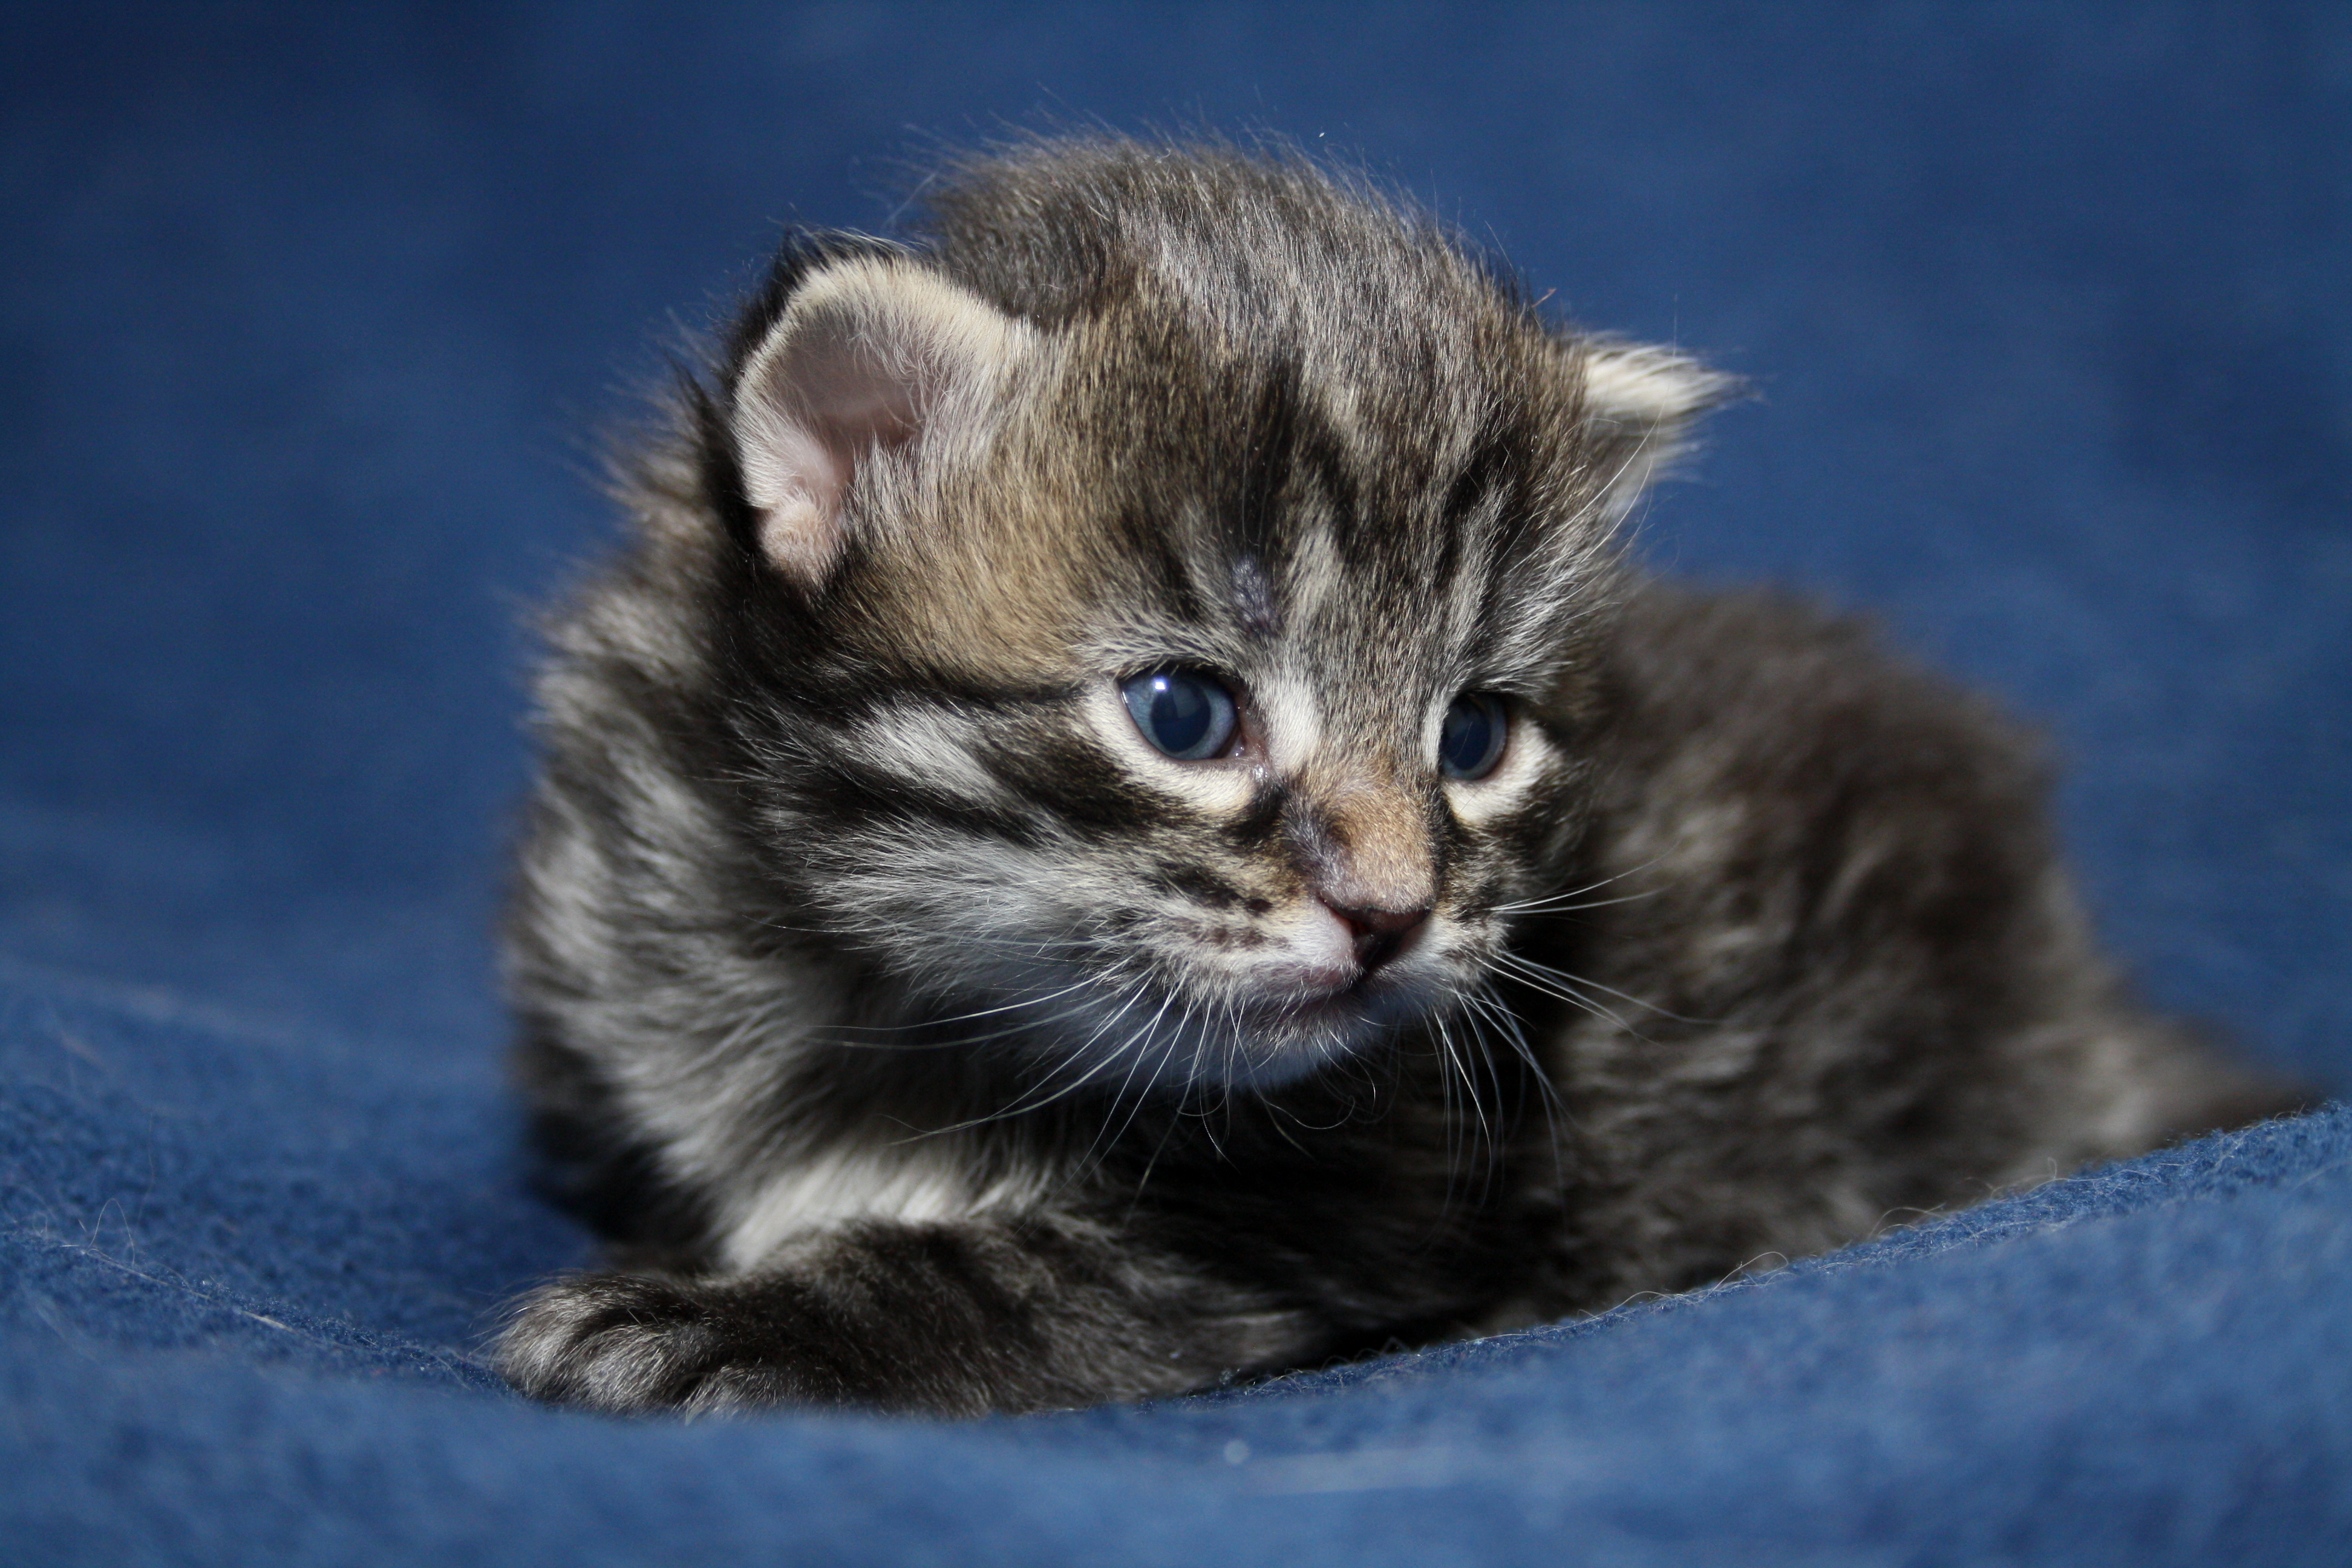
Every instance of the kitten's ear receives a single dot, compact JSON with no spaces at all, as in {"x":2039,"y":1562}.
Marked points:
{"x":872,"y":356}
{"x":1639,"y":405}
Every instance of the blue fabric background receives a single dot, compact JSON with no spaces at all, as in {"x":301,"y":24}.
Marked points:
{"x":309,"y":314}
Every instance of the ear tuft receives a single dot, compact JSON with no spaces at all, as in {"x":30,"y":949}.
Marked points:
{"x":1639,"y":404}
{"x":872,"y":356}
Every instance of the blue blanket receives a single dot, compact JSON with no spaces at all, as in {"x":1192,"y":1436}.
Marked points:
{"x":304,"y":313}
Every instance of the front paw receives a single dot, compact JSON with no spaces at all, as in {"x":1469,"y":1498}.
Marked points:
{"x":637,"y":1342}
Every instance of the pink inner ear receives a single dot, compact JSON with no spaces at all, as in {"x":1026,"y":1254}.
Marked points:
{"x":855,"y":402}
{"x":818,"y":411}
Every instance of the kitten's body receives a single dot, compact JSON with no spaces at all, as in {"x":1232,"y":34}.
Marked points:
{"x":930,"y":1037}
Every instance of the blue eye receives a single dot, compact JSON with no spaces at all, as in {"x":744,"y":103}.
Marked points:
{"x":1188,"y":716}
{"x":1471,"y":743}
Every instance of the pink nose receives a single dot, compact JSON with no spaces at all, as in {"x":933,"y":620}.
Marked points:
{"x":1380,"y":935}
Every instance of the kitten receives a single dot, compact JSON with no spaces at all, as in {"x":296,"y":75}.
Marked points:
{"x":1124,"y":821}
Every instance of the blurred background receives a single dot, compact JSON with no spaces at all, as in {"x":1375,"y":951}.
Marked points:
{"x":312,"y":317}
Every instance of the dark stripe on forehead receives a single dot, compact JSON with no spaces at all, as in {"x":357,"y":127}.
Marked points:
{"x":1291,"y":457}
{"x":1517,"y":537}
{"x":1155,"y":545}
{"x":1254,"y":511}
{"x":1319,"y":459}
{"x":1496,"y":468}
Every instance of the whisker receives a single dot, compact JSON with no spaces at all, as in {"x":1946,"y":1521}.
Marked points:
{"x":1562,"y":975}
{"x":1135,"y":1043}
{"x":1470,"y":1087}
{"x":1227,"y":1096}
{"x":1588,"y":888}
{"x":1470,"y":1090}
{"x":1079,"y":984}
{"x":1109,"y":1061}
{"x":1136,"y":1048}
{"x":1545,"y":907}
{"x":960,"y":1041}
{"x":1551,"y":986}
{"x":1136,"y":1197}
{"x":1454,"y":1133}
{"x":1488,"y":1007}
{"x":1039,"y":947}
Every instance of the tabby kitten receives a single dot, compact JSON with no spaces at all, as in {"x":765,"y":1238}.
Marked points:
{"x":1124,"y":821}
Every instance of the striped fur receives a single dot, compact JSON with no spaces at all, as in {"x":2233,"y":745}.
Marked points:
{"x":926,"y":1038}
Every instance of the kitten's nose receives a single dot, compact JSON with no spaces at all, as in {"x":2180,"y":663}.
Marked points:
{"x":1380,"y":935}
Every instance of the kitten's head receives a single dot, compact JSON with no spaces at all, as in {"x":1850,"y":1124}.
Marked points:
{"x":1171,"y":601}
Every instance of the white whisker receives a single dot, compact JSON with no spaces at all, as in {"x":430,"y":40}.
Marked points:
{"x":1108,"y":1061}
{"x":1549,"y":899}
{"x":1578,"y":980}
{"x":1551,"y":986}
{"x":1486,"y":1006}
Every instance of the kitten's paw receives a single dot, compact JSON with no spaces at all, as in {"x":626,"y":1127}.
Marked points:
{"x":637,"y":1342}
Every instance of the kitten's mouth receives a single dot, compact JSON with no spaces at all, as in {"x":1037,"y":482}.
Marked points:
{"x":1360,"y":996}
{"x":1254,"y":1037}
{"x":1327,"y":1007}
{"x":1265,"y":1025}
{"x":1308,"y":993}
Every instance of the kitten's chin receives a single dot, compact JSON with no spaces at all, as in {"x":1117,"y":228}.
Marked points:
{"x":1260,"y":1044}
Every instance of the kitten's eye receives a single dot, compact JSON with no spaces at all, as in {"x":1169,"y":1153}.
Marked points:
{"x":1190,"y":717}
{"x":1472,"y":742}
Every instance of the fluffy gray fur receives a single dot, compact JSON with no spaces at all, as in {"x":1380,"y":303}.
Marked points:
{"x":927,"y":1037}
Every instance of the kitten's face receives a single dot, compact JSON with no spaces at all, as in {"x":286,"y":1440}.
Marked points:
{"x":1190,"y":716}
